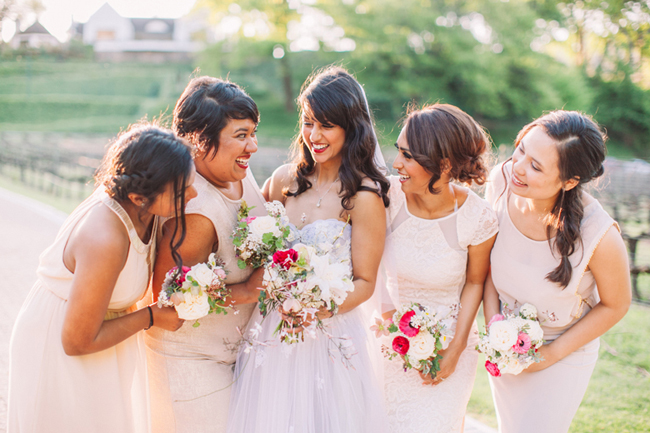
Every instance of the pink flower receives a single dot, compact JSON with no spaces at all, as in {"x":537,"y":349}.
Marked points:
{"x":401,"y":345}
{"x":405,"y":324}
{"x":380,"y":327}
{"x":249,"y":219}
{"x":177,"y":298}
{"x":220,"y":273}
{"x":181,"y":277}
{"x":523,"y":343}
{"x":495,"y":318}
{"x":285,"y":257}
{"x":492,"y":369}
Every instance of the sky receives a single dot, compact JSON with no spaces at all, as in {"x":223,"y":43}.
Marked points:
{"x":58,"y":14}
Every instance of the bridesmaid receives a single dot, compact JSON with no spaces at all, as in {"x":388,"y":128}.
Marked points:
{"x":190,"y":371}
{"x":558,"y":250}
{"x":77,"y":355}
{"x":441,"y":236}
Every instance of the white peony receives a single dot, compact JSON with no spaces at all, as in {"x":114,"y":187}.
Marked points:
{"x":517,"y":322}
{"x":511,"y":365}
{"x":193,"y":307}
{"x":503,"y":335}
{"x":421,"y":347}
{"x":535,"y":331}
{"x":264,"y":224}
{"x":528,"y":311}
{"x":330,"y":279}
{"x":202,"y":274}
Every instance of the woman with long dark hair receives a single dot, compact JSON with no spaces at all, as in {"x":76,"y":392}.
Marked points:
{"x":333,"y":179}
{"x":190,"y":371}
{"x":558,"y":250}
{"x":77,"y":353}
{"x":441,"y":237}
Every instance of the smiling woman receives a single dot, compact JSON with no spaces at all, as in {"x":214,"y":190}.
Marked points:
{"x":190,"y":373}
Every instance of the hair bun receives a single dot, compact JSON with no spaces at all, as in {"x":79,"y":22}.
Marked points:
{"x":599,"y":172}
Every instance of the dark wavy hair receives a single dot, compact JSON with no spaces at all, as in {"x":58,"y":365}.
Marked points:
{"x":334,"y":96}
{"x":205,"y":108}
{"x":441,"y":131}
{"x":144,"y":160}
{"x":581,"y":151}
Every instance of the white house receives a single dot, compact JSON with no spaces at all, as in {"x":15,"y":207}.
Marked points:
{"x":34,"y":36}
{"x":117,"y":38}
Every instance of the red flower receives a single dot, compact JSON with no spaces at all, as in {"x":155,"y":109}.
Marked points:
{"x":181,"y":276}
{"x":405,"y":324}
{"x":401,"y":345}
{"x":285,"y":257}
{"x":492,"y":368}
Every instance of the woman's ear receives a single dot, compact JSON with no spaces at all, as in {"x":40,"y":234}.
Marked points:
{"x":138,"y":200}
{"x":571,"y":183}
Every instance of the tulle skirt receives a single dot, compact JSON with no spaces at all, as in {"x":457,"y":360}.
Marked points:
{"x":307,"y":387}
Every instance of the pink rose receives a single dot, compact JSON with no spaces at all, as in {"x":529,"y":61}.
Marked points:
{"x":401,"y":345}
{"x":523,"y":343}
{"x":496,"y":318}
{"x":177,"y":298}
{"x":181,"y":277}
{"x":285,"y":257}
{"x":492,"y":369}
{"x":220,"y":273}
{"x":405,"y":324}
{"x":249,"y":219}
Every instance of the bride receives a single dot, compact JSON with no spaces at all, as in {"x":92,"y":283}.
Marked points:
{"x":306,"y":387}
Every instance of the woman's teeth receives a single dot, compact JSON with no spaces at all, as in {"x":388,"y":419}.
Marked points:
{"x":320,"y":146}
{"x":404,"y":177}
{"x":242,"y":161}
{"x":517,"y":181}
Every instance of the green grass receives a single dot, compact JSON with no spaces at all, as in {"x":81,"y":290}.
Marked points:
{"x":64,"y":204}
{"x":618,"y":397}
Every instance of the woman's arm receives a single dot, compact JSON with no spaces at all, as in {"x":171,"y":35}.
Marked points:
{"x":96,"y":253}
{"x":610,"y":268}
{"x":275,"y":185}
{"x":200,"y":241}
{"x":368,"y":217}
{"x":478,"y":265}
{"x":491,"y":303}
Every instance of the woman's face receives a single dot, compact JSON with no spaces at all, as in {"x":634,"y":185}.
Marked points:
{"x":237,"y":142}
{"x":413,"y":177}
{"x":325,"y":140}
{"x":535,"y":171}
{"x":164,"y":206}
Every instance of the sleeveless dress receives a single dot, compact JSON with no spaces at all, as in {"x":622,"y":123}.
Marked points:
{"x":431,"y":263}
{"x":106,"y":391}
{"x":305,"y":387}
{"x":190,"y":370}
{"x":547,"y":400}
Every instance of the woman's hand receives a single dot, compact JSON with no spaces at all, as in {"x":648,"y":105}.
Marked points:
{"x":548,"y":358}
{"x":448,"y":363}
{"x":166,"y":318}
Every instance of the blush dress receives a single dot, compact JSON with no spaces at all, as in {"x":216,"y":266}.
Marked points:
{"x":50,"y":391}
{"x":191,"y":370}
{"x":431,"y":264}
{"x":547,"y":400}
{"x":305,"y":387}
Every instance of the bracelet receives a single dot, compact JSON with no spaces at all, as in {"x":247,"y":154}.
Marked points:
{"x":150,"y":318}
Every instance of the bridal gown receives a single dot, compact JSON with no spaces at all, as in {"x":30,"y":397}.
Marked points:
{"x":431,"y":263}
{"x":305,"y":387}
{"x":106,"y":391}
{"x":519,"y":268}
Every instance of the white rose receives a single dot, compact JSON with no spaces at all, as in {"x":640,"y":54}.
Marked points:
{"x":528,"y":311}
{"x":421,"y":347}
{"x":202,"y":274}
{"x":193,"y":307}
{"x":264,"y":224}
{"x":511,"y":365}
{"x":517,"y":322}
{"x":535,"y":331}
{"x":503,"y":335}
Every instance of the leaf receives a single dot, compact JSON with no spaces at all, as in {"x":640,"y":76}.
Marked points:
{"x":241,"y":264}
{"x":267,"y":238}
{"x":393,"y":328}
{"x":196,"y":324}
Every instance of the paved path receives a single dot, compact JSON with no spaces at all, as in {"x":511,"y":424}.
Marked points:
{"x":27,"y":227}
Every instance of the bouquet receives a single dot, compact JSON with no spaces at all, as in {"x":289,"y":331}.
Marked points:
{"x":510,"y":342}
{"x":197,"y":291}
{"x":421,"y":334}
{"x":257,"y":238}
{"x":301,"y":280}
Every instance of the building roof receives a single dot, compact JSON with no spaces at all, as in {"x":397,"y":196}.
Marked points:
{"x":36,"y":28}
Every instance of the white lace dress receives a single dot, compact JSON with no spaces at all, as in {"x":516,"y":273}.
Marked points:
{"x":431,"y":263}
{"x":305,"y":387}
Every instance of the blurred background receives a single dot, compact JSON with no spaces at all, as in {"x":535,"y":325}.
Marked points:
{"x":73,"y":74}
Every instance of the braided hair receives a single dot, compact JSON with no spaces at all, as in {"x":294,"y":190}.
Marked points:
{"x":144,"y":160}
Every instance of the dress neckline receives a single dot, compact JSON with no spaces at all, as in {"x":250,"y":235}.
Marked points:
{"x":224,"y":196}
{"x":317,"y":221}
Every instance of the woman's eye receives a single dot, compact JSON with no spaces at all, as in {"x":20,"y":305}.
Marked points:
{"x":407,"y":155}
{"x":534,"y":168}
{"x":307,"y":124}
